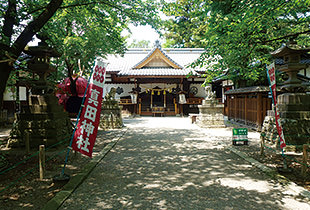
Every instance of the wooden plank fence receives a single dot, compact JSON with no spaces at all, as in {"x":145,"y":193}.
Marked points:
{"x":248,"y":108}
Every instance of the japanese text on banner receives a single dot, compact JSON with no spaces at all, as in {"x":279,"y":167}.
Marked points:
{"x":272,"y":78}
{"x":87,"y":128}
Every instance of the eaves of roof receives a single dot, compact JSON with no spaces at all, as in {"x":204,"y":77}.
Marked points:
{"x":157,"y":72}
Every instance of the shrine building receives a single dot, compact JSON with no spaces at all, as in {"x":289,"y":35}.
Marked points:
{"x":156,"y":81}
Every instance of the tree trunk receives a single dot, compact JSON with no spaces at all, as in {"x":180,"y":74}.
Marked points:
{"x":22,"y":40}
{"x":5,"y":73}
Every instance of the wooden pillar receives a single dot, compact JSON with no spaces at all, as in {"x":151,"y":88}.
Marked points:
{"x":175,"y":107}
{"x":235,"y":106}
{"x":165,"y":98}
{"x":304,"y":160}
{"x":152,"y":99}
{"x":227,"y":106}
{"x":259,"y":120}
{"x":245,"y":109}
{"x":139,"y":108}
{"x":41,"y":161}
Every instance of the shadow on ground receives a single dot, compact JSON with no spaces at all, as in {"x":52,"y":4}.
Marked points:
{"x":157,"y":167}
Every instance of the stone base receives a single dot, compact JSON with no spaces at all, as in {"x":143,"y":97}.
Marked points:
{"x":294,"y":110}
{"x":44,"y":120}
{"x":211,"y":115}
{"x":296,"y":131}
{"x":110,"y":116}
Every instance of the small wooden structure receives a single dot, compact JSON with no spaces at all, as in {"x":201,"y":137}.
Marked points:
{"x":248,"y":105}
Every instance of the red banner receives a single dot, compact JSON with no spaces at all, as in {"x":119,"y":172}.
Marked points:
{"x":272,"y":78}
{"x":87,"y":128}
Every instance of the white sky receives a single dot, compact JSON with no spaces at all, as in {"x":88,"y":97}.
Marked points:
{"x":138,"y":32}
{"x":143,"y":33}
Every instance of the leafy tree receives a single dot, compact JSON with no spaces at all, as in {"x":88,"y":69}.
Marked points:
{"x":240,"y":34}
{"x":80,"y":29}
{"x":184,"y":28}
{"x":139,"y":44}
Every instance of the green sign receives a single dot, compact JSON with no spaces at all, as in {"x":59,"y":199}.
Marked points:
{"x":240,"y":135}
{"x":240,"y":131}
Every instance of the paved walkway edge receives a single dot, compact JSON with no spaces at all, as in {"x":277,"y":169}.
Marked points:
{"x":75,"y":181}
{"x":289,"y":185}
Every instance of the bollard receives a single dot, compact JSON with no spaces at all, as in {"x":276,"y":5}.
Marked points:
{"x":42,"y":161}
{"x":304,"y":160}
{"x":27,"y":142}
{"x":262,"y":145}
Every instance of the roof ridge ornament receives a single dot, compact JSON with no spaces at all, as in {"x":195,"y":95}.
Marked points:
{"x":157,"y":44}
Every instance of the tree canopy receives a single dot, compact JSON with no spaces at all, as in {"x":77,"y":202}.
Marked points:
{"x":80,"y":29}
{"x":139,"y":44}
{"x":239,"y":35}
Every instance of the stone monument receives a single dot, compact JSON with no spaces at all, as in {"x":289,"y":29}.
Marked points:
{"x":110,"y":116}
{"x":42,"y":120}
{"x":294,"y":102}
{"x":210,"y":112}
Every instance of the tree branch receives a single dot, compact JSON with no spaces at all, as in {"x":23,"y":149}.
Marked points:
{"x":70,"y":6}
{"x":35,"y":26}
{"x":283,"y":37}
{"x":9,"y":21}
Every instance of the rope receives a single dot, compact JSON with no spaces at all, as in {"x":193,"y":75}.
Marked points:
{"x":29,"y":171}
{"x":35,"y":154}
{"x":284,"y":155}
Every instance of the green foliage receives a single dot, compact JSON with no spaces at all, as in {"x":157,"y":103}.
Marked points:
{"x":184,"y":28}
{"x":82,"y":33}
{"x":240,"y":34}
{"x":80,"y":29}
{"x":139,"y":44}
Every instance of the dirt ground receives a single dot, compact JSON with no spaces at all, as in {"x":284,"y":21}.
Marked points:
{"x":29,"y":192}
{"x":275,"y":160}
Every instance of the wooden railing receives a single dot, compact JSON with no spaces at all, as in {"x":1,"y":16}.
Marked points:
{"x":125,"y":101}
{"x":194,"y":100}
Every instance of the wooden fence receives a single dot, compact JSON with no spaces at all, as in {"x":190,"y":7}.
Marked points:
{"x":248,"y":108}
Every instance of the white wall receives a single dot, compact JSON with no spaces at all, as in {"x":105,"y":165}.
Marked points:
{"x":201,"y":90}
{"x":126,"y":87}
{"x":10,"y":96}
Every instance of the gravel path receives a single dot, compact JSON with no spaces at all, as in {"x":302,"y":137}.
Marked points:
{"x":168,"y":163}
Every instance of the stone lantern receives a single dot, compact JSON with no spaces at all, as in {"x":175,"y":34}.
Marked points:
{"x":291,"y":66}
{"x":294,"y":103}
{"x":42,"y":120}
{"x":40,"y":65}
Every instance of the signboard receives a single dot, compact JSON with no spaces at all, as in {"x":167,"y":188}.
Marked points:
{"x":240,"y":135}
{"x":87,"y":128}
{"x":272,"y":79}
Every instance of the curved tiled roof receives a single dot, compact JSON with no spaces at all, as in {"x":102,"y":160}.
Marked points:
{"x":181,"y":57}
{"x":157,"y":72}
{"x":151,"y":53}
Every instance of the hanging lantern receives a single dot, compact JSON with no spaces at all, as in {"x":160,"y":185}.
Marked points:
{"x":152,"y":92}
{"x":134,"y":97}
{"x":164,"y":92}
{"x":170,"y":91}
{"x":158,"y":93}
{"x":182,"y":99}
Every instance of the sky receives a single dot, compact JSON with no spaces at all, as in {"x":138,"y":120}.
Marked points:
{"x":138,"y":32}
{"x":143,"y":33}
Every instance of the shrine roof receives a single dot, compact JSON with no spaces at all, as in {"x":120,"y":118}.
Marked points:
{"x":137,"y":62}
{"x":157,"y":72}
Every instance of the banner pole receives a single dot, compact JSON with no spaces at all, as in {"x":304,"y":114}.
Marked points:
{"x":76,"y":123}
{"x":275,"y":112}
